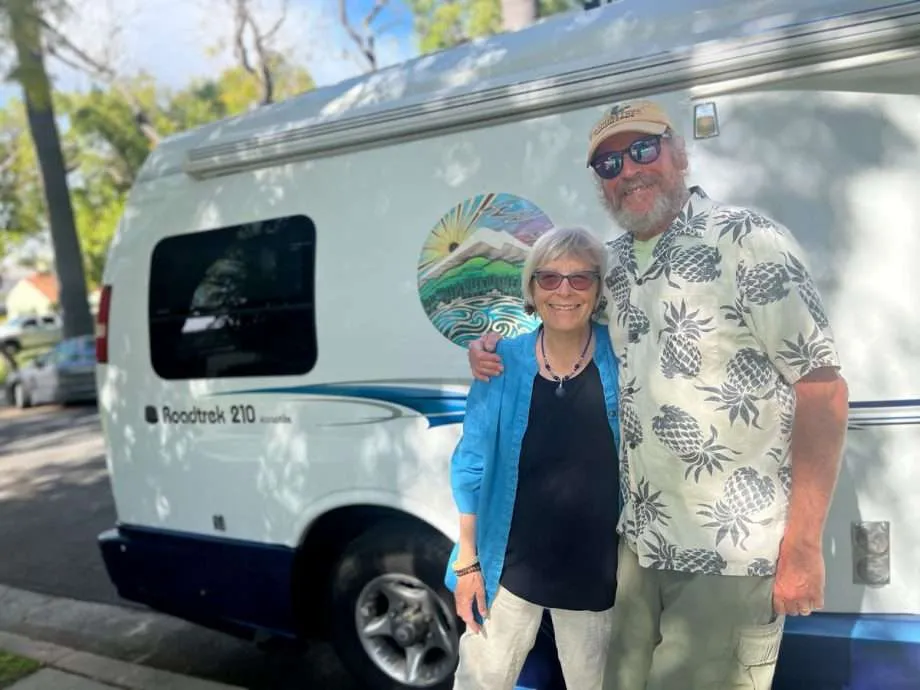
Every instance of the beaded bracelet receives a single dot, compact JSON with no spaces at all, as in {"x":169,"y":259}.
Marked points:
{"x":457,"y":565}
{"x":460,"y":572}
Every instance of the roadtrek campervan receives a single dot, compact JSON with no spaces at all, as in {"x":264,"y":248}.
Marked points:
{"x":287,"y":301}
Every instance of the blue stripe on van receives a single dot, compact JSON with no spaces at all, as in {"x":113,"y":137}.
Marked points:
{"x":439,"y":406}
{"x":442,"y":407}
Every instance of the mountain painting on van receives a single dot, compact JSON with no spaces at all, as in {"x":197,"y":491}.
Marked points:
{"x":469,"y":271}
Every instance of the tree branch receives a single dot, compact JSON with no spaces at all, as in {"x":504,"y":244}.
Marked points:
{"x":365,"y":42}
{"x":244,"y":19}
{"x":270,"y":34}
{"x":239,"y":38}
{"x":66,"y":51}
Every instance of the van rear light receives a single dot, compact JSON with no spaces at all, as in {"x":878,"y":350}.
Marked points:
{"x":102,"y":325}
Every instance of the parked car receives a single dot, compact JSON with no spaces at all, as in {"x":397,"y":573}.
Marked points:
{"x":27,"y":332}
{"x":65,"y":374}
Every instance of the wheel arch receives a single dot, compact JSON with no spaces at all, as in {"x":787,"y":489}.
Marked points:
{"x":322,"y":544}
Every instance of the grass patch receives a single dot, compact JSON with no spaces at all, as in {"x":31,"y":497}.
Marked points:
{"x":13,"y":668}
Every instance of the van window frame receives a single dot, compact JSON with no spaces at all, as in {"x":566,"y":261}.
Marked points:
{"x":300,"y":230}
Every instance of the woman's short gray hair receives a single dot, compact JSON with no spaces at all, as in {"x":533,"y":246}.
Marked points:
{"x":558,"y":243}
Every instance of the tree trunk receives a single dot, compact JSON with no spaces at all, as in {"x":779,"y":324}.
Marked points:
{"x":518,"y":14}
{"x":68,"y":258}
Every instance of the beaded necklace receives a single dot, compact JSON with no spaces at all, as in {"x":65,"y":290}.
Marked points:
{"x":560,"y":391}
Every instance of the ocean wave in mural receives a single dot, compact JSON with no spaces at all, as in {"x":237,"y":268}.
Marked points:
{"x":469,"y":271}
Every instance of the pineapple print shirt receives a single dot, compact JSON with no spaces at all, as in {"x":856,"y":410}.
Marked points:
{"x":710,"y":337}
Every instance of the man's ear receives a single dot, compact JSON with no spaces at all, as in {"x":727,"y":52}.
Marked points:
{"x":681,"y":160}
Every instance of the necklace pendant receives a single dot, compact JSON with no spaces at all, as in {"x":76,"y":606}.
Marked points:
{"x":560,"y":391}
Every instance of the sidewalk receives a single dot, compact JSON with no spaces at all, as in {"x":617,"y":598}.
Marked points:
{"x":68,"y":669}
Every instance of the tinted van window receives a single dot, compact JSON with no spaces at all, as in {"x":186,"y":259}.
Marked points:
{"x":236,"y":301}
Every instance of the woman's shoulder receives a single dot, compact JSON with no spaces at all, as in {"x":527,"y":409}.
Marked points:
{"x":516,"y":345}
{"x":601,"y":332}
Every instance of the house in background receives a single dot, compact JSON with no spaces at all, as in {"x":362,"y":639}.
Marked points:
{"x":36,"y":293}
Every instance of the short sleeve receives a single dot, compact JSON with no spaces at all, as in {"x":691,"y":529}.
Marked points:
{"x":780,"y":303}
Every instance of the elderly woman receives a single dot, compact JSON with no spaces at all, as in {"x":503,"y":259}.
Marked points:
{"x":535,"y":480}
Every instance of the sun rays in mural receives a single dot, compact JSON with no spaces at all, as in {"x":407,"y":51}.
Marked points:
{"x":469,"y":268}
{"x":453,"y":230}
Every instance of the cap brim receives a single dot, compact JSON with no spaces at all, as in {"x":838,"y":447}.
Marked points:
{"x":637,"y":127}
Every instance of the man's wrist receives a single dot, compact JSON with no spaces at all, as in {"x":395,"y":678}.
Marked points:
{"x":805,"y":540}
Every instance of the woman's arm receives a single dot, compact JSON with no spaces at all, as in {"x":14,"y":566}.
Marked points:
{"x":468,"y":551}
{"x":475,"y":450}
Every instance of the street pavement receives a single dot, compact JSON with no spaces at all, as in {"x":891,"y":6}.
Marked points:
{"x":55,"y":499}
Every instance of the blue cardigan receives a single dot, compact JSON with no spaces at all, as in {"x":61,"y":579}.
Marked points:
{"x":484,"y":467}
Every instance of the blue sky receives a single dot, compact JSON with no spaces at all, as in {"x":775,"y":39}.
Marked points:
{"x":168,"y":38}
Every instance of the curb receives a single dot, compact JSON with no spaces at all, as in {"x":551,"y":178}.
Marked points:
{"x":120,"y":674}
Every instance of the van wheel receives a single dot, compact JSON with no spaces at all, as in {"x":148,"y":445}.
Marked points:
{"x":21,"y":396}
{"x":393,"y":620}
{"x":11,"y":347}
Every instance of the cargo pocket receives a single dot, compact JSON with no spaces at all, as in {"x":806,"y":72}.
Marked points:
{"x":757,"y":650}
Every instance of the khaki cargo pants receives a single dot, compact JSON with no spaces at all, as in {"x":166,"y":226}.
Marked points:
{"x":493,"y":658}
{"x":676,"y":631}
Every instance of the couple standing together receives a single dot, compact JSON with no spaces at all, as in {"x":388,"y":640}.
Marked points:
{"x":654,"y":463}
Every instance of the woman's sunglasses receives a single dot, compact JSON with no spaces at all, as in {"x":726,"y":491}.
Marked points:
{"x":551,"y":280}
{"x":644,"y":151}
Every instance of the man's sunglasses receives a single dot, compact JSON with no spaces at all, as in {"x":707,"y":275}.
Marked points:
{"x":643,"y":151}
{"x":551,"y":280}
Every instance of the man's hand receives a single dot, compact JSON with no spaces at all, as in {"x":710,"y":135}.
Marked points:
{"x":799,"y":586}
{"x":470,"y":592}
{"x":484,"y":363}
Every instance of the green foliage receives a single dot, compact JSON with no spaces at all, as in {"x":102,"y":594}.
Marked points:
{"x":105,"y":148}
{"x":441,"y":24}
{"x":105,"y":144}
{"x":22,"y":202}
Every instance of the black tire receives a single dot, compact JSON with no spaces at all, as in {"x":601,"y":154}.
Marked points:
{"x":399,"y":547}
{"x":12,"y":347}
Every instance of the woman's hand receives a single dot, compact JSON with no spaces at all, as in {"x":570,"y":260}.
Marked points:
{"x":470,"y":592}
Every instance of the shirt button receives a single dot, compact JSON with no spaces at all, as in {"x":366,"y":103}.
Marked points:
{"x":632,"y":445}
{"x":629,"y":390}
{"x":639,"y":281}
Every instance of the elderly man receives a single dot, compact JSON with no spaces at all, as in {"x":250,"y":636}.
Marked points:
{"x":733,"y":417}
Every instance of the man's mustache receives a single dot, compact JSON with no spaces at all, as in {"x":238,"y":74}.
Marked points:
{"x":639,"y":180}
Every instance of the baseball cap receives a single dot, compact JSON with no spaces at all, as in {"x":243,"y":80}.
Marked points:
{"x":629,"y":116}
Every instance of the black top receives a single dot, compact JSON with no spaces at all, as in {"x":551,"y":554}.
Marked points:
{"x":562,"y":549}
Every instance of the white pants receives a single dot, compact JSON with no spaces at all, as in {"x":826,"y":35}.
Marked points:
{"x":493,"y":658}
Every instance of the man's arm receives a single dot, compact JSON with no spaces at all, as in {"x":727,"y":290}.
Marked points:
{"x":484,"y":360}
{"x":818,"y":433}
{"x":790,"y":322}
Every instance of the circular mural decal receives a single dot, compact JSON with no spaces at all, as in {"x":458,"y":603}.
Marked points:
{"x":469,"y":271}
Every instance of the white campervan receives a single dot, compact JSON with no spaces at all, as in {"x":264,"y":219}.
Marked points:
{"x":281,"y":367}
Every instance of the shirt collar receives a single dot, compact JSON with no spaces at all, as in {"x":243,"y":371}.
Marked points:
{"x":692,"y":219}
{"x":690,"y":222}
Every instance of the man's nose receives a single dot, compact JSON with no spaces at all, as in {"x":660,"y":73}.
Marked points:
{"x":630,"y":168}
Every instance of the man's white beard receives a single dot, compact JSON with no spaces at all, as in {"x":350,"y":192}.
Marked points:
{"x":665,"y":209}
